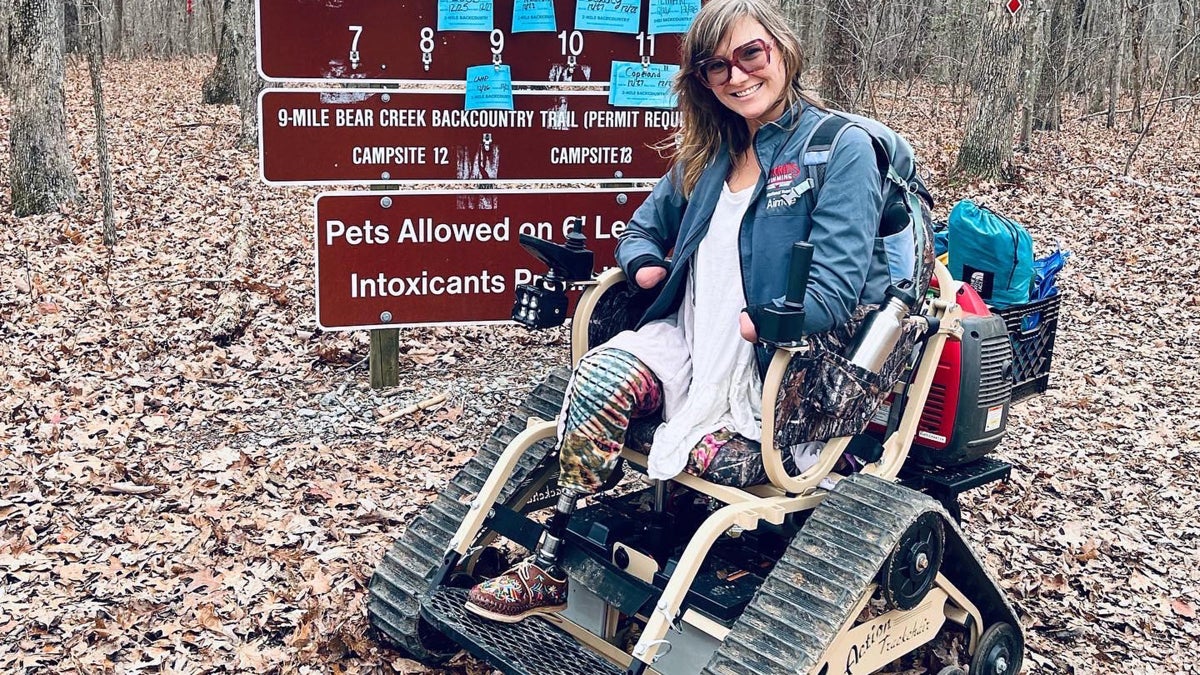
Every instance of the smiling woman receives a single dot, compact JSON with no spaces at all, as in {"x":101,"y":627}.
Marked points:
{"x":694,"y":356}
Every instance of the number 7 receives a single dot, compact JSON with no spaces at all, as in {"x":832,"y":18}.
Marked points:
{"x":354,"y":60}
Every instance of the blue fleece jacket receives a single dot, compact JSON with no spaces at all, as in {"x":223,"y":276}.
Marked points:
{"x":846,"y":270}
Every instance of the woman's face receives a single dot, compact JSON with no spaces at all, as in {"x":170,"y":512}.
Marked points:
{"x":755,"y":96}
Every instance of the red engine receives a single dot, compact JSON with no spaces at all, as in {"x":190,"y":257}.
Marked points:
{"x":966,"y":413}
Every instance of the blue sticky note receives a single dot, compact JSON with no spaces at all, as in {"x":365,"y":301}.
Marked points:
{"x":464,"y":15}
{"x":489,"y":86}
{"x":613,"y":16}
{"x":533,"y":15}
{"x":672,"y":16}
{"x":642,"y":85}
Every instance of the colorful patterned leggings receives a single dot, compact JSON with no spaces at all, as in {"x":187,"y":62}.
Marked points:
{"x":611,"y":389}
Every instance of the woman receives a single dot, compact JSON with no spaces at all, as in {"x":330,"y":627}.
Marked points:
{"x":728,"y":213}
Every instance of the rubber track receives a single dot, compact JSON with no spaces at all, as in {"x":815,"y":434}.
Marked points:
{"x":403,"y":575}
{"x":830,"y":563}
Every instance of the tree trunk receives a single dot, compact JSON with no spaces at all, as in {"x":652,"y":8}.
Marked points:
{"x":1047,"y":106}
{"x":1033,"y":49}
{"x":987,"y":146}
{"x":211,"y":12}
{"x":1137,"y":38}
{"x":71,"y":27}
{"x":1114,"y":85}
{"x":840,"y":67}
{"x":240,"y":28}
{"x":221,"y":85}
{"x":118,"y":43}
{"x":5,"y":20}
{"x":89,"y":13}
{"x":41,"y":172}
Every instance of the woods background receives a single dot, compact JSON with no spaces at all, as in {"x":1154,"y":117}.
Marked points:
{"x":1007,"y":68}
{"x":194,"y":478}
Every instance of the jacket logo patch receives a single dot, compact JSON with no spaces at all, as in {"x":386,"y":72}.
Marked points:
{"x":782,"y":190}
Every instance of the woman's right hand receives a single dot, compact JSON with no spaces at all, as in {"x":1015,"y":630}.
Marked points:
{"x":650,"y":276}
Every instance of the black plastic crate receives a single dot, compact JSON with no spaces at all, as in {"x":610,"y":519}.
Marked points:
{"x":1031,"y":329}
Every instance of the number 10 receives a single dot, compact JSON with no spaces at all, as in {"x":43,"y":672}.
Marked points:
{"x":571,"y":45}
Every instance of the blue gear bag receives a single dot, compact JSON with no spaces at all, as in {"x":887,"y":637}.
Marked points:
{"x":991,"y":253}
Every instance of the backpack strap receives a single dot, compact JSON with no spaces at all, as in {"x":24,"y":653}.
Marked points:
{"x":819,"y":147}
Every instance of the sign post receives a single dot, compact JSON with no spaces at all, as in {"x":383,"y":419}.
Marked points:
{"x":391,"y":259}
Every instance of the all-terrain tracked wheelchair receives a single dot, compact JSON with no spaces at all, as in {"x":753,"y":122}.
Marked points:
{"x":787,"y":576}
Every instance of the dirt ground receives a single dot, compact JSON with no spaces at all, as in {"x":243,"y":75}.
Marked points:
{"x":172,"y":504}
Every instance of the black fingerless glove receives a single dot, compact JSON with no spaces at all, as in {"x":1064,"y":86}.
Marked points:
{"x":646,"y":260}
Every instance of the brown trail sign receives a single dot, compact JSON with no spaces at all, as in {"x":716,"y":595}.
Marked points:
{"x":363,"y":136}
{"x":442,"y":257}
{"x":398,"y":40}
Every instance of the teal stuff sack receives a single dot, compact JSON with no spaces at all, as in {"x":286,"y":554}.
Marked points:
{"x":991,"y":253}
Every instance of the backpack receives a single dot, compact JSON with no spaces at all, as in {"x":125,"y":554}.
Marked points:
{"x":904,"y":229}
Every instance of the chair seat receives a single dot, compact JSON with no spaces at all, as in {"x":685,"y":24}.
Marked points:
{"x":737,"y":464}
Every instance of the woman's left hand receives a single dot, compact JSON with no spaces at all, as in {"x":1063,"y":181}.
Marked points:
{"x":746,"y":328}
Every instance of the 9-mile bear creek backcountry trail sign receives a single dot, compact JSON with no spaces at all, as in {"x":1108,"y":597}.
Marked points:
{"x":362,"y":136}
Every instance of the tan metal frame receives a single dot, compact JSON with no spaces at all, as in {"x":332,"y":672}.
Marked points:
{"x":593,"y":291}
{"x":868,"y":646}
{"x":744,"y":508}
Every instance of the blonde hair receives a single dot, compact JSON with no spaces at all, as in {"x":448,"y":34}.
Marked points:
{"x":706,"y":123}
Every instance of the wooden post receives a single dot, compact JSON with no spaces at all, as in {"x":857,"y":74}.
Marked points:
{"x":385,"y":357}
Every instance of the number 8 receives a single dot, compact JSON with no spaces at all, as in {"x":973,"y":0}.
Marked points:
{"x":427,"y":39}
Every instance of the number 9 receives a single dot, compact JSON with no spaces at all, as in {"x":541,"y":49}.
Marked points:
{"x":497,"y":38}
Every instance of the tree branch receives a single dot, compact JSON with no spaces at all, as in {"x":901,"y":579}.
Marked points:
{"x":1185,"y":97}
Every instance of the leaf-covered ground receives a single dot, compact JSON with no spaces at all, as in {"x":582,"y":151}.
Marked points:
{"x":169,"y":504}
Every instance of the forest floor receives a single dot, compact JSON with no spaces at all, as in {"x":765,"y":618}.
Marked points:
{"x":169,"y":504}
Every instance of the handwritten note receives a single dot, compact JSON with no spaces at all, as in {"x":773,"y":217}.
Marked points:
{"x":642,"y":85}
{"x":464,"y":15}
{"x":672,"y":16}
{"x":489,"y":86}
{"x":533,"y":15}
{"x":613,"y":16}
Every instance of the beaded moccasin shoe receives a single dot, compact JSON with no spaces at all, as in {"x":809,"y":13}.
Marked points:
{"x":523,"y":591}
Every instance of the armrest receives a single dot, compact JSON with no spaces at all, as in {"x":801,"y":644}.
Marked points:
{"x":947,"y":313}
{"x":772,"y":455}
{"x":586,"y":308}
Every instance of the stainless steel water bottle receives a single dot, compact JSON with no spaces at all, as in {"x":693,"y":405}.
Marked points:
{"x":877,"y":335}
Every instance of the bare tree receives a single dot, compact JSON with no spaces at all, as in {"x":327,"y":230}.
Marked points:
{"x":239,"y":24}
{"x":41,"y":171}
{"x":5,"y":20}
{"x":987,"y":146}
{"x":1047,"y":105}
{"x":71,"y":27}
{"x":221,"y":84}
{"x":90,"y":22}
{"x":118,"y":14}
{"x":1033,"y":48}
{"x":840,"y":72}
{"x":1136,"y":11}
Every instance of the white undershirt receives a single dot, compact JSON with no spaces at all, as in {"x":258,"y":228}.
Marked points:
{"x":708,"y":372}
